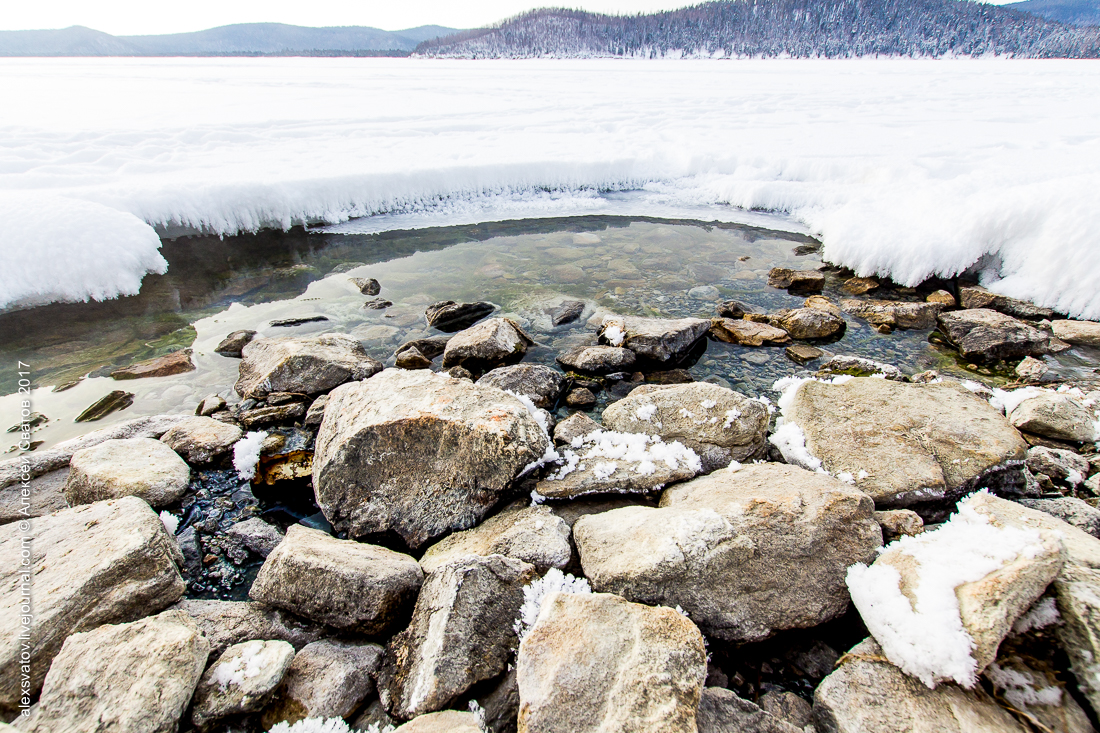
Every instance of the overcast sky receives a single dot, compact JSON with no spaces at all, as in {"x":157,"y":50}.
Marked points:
{"x":133,"y":17}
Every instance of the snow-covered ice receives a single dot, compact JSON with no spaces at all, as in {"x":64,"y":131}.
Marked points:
{"x":903,"y":167}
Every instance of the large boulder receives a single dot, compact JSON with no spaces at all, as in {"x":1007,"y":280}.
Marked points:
{"x":529,"y":533}
{"x":419,"y":453}
{"x":600,"y":663}
{"x":1079,"y":333}
{"x":540,"y":384}
{"x":243,"y":680}
{"x":304,"y":365}
{"x":900,"y":443}
{"x":141,"y":467}
{"x":225,"y":623}
{"x":1055,"y":415}
{"x":128,"y":678}
{"x":721,"y":710}
{"x":867,"y":693}
{"x":1058,"y":464}
{"x":327,"y":679}
{"x":101,"y":563}
{"x":461,"y":633}
{"x":744,"y":553}
{"x":38,"y":497}
{"x":656,"y":339}
{"x":986,"y":334}
{"x":488,"y":344}
{"x":341,"y":583}
{"x":597,"y":359}
{"x":719,"y":424}
{"x":201,"y":439}
{"x":895,"y":314}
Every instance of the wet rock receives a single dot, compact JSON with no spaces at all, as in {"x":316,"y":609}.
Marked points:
{"x":788,"y":707}
{"x":941,"y":297}
{"x":897,"y":523}
{"x":901,"y":443}
{"x":242,"y":680}
{"x":541,"y":384}
{"x":1058,"y":464}
{"x":1079,"y":333}
{"x":581,"y":398}
{"x":722,"y":710}
{"x":445,"y":721}
{"x":112,"y":402}
{"x":232,"y":344}
{"x":264,"y":416}
{"x":225,"y":623}
{"x":41,"y":496}
{"x":796,"y":281}
{"x":210,"y":405}
{"x":576,"y":425}
{"x":411,"y":358}
{"x":671,"y":376}
{"x":449,"y":316}
{"x":287,"y":322}
{"x":895,"y":314}
{"x":136,"y":676}
{"x":598,"y":662}
{"x":719,"y":424}
{"x":419,"y":453}
{"x":375,"y":712}
{"x":366,"y":285}
{"x":177,"y":362}
{"x":488,"y":344}
{"x":745,"y":553}
{"x":429,"y":347}
{"x":1055,"y":415}
{"x":987,"y":334}
{"x":857,"y":366}
{"x":140,"y":467}
{"x":461,"y":633}
{"x":733,"y":309}
{"x":377,"y":304}
{"x":656,"y":339}
{"x":286,"y":455}
{"x":859,"y":285}
{"x":867,"y":693}
{"x":327,"y":679}
{"x":532,"y":534}
{"x":201,"y":439}
{"x":1071,"y":511}
{"x":1081,"y":548}
{"x":597,"y":359}
{"x":341,"y":583}
{"x":253,"y":535}
{"x":810,"y":323}
{"x":974,"y":296}
{"x":568,"y":312}
{"x":1030,"y":369}
{"x":305,"y":365}
{"x":747,"y":333}
{"x":803,"y":354}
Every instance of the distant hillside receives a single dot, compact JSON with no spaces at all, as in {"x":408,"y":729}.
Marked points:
{"x":1074,"y":12}
{"x":799,"y":28}
{"x":242,"y":39}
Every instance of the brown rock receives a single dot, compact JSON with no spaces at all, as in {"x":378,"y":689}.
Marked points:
{"x":411,"y":358}
{"x":803,"y":353}
{"x":580,"y":397}
{"x":747,"y":333}
{"x":113,"y":402}
{"x":859,"y":285}
{"x":177,"y":362}
{"x":800,"y":281}
{"x":232,"y":344}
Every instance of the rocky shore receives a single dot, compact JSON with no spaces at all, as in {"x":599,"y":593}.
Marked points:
{"x":457,"y":541}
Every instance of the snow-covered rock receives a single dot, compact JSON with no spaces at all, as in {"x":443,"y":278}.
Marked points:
{"x":242,"y":680}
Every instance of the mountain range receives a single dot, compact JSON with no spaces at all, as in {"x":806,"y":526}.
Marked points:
{"x":1074,"y":12}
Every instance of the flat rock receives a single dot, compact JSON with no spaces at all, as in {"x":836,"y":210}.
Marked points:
{"x":597,"y":359}
{"x":109,"y":403}
{"x":803,"y":354}
{"x":201,"y":439}
{"x":366,"y":285}
{"x":272,"y":415}
{"x":341,"y":583}
{"x":132,"y":678}
{"x":747,"y":333}
{"x":486,"y":345}
{"x":445,"y":721}
{"x":721,"y":710}
{"x":974,"y":296}
{"x":461,"y":633}
{"x":860,"y":285}
{"x":327,"y":679}
{"x":568,"y":312}
{"x":987,"y":334}
{"x":541,"y":384}
{"x":305,"y":365}
{"x":419,"y":453}
{"x":41,"y":496}
{"x":576,"y":425}
{"x":656,"y":339}
{"x":858,"y":366}
{"x":1055,"y":415}
{"x":225,"y":623}
{"x":796,"y":281}
{"x":745,"y":553}
{"x":140,"y":467}
{"x":902,"y":443}
{"x":232,"y":344}
{"x":1079,"y":333}
{"x":177,"y":362}
{"x":449,"y":316}
{"x":810,"y":323}
{"x":242,"y":680}
{"x":596,"y":662}
{"x":1070,"y":510}
{"x":533,"y":534}
{"x":895,"y":314}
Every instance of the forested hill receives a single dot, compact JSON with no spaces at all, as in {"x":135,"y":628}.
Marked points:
{"x":799,"y":28}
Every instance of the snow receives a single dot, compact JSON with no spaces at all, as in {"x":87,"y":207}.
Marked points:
{"x":910,"y":167}
{"x":926,"y":639}
{"x":791,"y":442}
{"x":248,"y":664}
{"x":535,"y":592}
{"x":1041,"y":615}
{"x":1020,"y":690}
{"x":171,"y":521}
{"x":615,"y":333}
{"x":246,"y":454}
{"x":645,"y":451}
{"x":646,"y":412}
{"x":321,"y":725}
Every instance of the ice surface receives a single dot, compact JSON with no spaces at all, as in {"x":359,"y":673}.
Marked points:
{"x":903,"y":167}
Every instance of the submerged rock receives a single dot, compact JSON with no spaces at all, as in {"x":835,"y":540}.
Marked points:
{"x":803,"y":354}
{"x":567,"y":312}
{"x":305,"y":365}
{"x":656,"y":339}
{"x":449,"y":316}
{"x":113,"y":402}
{"x":541,"y":384}
{"x":177,"y":362}
{"x":986,"y":334}
{"x":747,"y":333}
{"x":140,"y":467}
{"x":488,"y":344}
{"x":858,"y":366}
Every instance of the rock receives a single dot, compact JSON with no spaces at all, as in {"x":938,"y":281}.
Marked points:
{"x":896,"y":523}
{"x":1081,"y":548}
{"x":895,"y":314}
{"x":732,"y":309}
{"x":459,"y":372}
{"x":987,"y":334}
{"x":704,"y":292}
{"x":941,"y":297}
{"x":722,"y":710}
{"x":107,"y":562}
{"x":288,"y":322}
{"x":576,"y":425}
{"x":860,"y":285}
{"x":867,"y":693}
{"x":902,"y":443}
{"x":461,"y":633}
{"x":581,"y":398}
{"x":796,"y":281}
{"x":135,"y":677}
{"x":1079,"y":333}
{"x":488,"y":344}
{"x":41,"y":496}
{"x":1071,"y":511}
{"x":501,"y":704}
{"x":445,"y":721}
{"x":803,"y":354}
{"x":532,"y":534}
{"x":377,"y":304}
{"x":1031,"y":370}
{"x":140,"y":467}
{"x":419,"y":453}
{"x":719,"y":424}
{"x":747,"y":333}
{"x":1055,"y":415}
{"x":327,"y":679}
{"x":112,"y":402}
{"x":242,"y":680}
{"x":1026,"y":676}
{"x":210,"y":405}
{"x":177,"y":362}
{"x":597,"y":359}
{"x":253,"y":535}
{"x":568,"y":312}
{"x":429,"y":347}
{"x":201,"y":439}
{"x":411,"y":358}
{"x":1058,"y":464}
{"x":745,"y":553}
{"x":366,"y":285}
{"x":264,"y":416}
{"x":541,"y":384}
{"x":809,"y":323}
{"x":375,"y":712}
{"x":232,"y":344}
{"x":340,"y":583}
{"x":670,"y":376}
{"x":596,"y":662}
{"x":788,"y":707}
{"x":225,"y":623}
{"x":1077,"y":591}
{"x":656,"y":339}
{"x":449,"y":317}
{"x":306,"y":365}
{"x":857,"y":366}
{"x":973,"y":296}
{"x":316,"y":411}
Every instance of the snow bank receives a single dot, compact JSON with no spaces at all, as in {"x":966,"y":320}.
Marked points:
{"x":895,"y":175}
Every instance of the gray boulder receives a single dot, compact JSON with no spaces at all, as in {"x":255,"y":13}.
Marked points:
{"x":201,"y":439}
{"x":532,"y":534}
{"x":141,"y":467}
{"x":234,"y":343}
{"x":986,"y":334}
{"x":252,"y":535}
{"x":894,"y":314}
{"x":541,"y":384}
{"x":656,"y":339}
{"x":304,"y":365}
{"x":449,"y":316}
{"x":1055,"y":415}
{"x":41,"y":496}
{"x":341,"y":583}
{"x":242,"y":680}
{"x":1080,"y":333}
{"x":225,"y":623}
{"x":419,"y":453}
{"x":974,"y":296}
{"x":327,"y":679}
{"x":461,"y":633}
{"x":597,"y":359}
{"x":1058,"y":464}
{"x":1069,"y":510}
{"x":722,"y":711}
{"x":488,"y":344}
{"x":1077,"y":592}
{"x":744,"y":553}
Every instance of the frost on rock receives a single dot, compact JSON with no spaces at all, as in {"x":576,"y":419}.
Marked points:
{"x":322,"y":725}
{"x":250,"y":663}
{"x":1041,"y":615}
{"x":1020,"y":689}
{"x":171,"y":521}
{"x":246,"y":454}
{"x":788,"y":437}
{"x":646,"y":412}
{"x":926,"y":638}
{"x":615,"y":331}
{"x":644,"y":451}
{"x":1009,"y":401}
{"x":535,"y":592}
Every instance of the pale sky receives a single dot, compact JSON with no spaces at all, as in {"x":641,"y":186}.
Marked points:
{"x":135,"y":17}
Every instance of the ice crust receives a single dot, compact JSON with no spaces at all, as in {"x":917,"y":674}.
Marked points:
{"x":896,"y":176}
